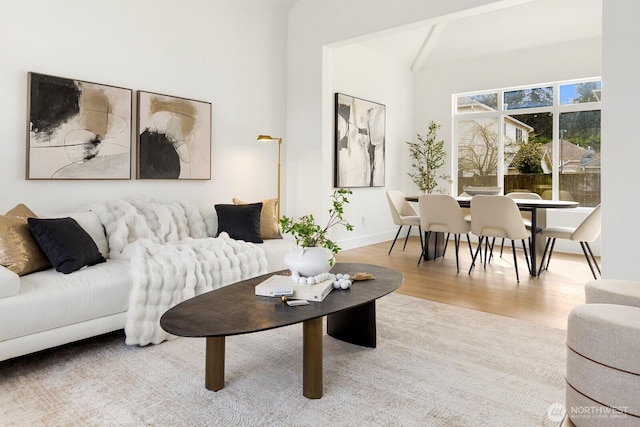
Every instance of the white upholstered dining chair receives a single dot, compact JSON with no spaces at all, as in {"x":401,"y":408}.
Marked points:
{"x":440,"y":213}
{"x":585,"y":233}
{"x":498,"y":217}
{"x":526,"y":216}
{"x":403,"y":214}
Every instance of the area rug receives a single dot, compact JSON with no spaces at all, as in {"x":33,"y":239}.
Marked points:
{"x":434,"y":365}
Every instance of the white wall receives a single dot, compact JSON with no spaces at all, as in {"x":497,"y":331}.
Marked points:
{"x":620,"y":171}
{"x":436,"y":83}
{"x":366,"y":74}
{"x":231,"y":53}
{"x":316,"y":27}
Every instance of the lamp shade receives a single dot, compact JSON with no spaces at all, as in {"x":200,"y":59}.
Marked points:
{"x":266,"y":138}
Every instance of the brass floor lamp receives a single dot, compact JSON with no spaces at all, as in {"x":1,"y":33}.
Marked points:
{"x":270,"y":138}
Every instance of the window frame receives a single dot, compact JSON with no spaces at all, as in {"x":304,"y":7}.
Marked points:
{"x":556,"y":109}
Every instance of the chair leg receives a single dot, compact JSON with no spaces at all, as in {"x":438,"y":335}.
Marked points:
{"x":475,"y":255}
{"x":493,"y":244}
{"x":406,"y":238}
{"x":553,"y":244}
{"x":456,"y":241}
{"x":526,"y":257}
{"x":515,"y":260}
{"x":501,"y":247}
{"x":585,"y":246}
{"x":420,"y":234}
{"x":488,"y":250}
{"x":593,"y":257}
{"x":425,"y":248}
{"x":446,"y":243}
{"x":469,"y":242}
{"x":394,"y":240}
{"x":544,"y":254}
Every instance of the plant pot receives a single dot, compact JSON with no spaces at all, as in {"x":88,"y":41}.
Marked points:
{"x":308,"y":261}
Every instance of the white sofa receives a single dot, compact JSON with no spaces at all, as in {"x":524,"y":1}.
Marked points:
{"x":46,"y":309}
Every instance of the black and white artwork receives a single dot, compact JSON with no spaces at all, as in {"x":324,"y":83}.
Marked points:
{"x":174,"y":137}
{"x":77,"y":129}
{"x":360,"y":140}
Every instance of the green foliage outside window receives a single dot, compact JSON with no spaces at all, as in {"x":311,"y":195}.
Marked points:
{"x":528,"y":158}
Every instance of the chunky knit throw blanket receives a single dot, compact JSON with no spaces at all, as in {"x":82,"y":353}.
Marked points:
{"x":172,"y":259}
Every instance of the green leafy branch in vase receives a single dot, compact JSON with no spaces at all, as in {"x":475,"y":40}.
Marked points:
{"x":308,"y":234}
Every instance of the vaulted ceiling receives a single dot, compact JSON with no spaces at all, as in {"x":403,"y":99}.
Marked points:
{"x":522,"y":26}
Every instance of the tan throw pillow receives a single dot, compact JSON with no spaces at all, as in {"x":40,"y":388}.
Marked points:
{"x":269,"y":227}
{"x":19,"y":252}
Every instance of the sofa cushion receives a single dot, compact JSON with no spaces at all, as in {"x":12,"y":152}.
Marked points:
{"x":275,"y":251}
{"x":269,"y":227}
{"x":241,"y":222}
{"x":67,"y":245}
{"x":50,"y":300}
{"x":19,"y":252}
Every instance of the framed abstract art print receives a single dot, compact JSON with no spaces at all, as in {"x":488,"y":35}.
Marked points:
{"x":77,"y":129}
{"x":174,"y":137}
{"x":360,"y":142}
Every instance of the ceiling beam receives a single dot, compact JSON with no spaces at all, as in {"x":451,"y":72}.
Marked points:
{"x":427,"y":46}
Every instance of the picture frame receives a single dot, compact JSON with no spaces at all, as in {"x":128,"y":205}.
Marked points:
{"x":77,"y":129}
{"x":360,"y":132}
{"x":173,"y":137}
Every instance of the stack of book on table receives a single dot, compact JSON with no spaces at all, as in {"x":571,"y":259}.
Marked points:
{"x":278,"y":285}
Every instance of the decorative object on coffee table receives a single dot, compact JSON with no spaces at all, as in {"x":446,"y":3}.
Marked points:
{"x":314,"y":253}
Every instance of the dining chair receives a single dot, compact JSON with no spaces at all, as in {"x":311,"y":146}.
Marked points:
{"x":498,"y":217}
{"x":441,"y":213}
{"x":585,"y":233}
{"x":526,"y":216}
{"x":403,"y":214}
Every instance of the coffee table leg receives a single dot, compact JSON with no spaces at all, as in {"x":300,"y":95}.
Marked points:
{"x":214,"y":368}
{"x":355,"y":325}
{"x":312,"y":358}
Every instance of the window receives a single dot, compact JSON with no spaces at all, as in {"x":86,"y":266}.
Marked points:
{"x":544,"y":139}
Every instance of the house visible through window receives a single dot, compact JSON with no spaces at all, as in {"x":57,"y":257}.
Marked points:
{"x":543,"y":139}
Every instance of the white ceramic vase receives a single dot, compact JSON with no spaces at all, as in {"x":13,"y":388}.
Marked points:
{"x":308,"y":261}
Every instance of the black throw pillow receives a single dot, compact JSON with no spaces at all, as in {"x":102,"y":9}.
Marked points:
{"x":241,"y":222}
{"x":67,"y":245}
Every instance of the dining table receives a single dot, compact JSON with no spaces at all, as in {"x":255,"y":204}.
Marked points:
{"x":538,"y":209}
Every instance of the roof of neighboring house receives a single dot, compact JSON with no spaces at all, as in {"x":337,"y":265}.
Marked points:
{"x":466,"y":103}
{"x":574,"y":155}
{"x":471,"y":104}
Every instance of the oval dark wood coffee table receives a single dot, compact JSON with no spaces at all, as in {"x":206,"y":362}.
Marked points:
{"x":235,"y":310}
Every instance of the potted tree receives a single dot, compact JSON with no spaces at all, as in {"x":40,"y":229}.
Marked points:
{"x":427,"y":156}
{"x":314,"y":253}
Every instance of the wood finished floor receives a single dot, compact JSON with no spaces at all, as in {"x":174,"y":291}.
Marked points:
{"x":545,"y":300}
